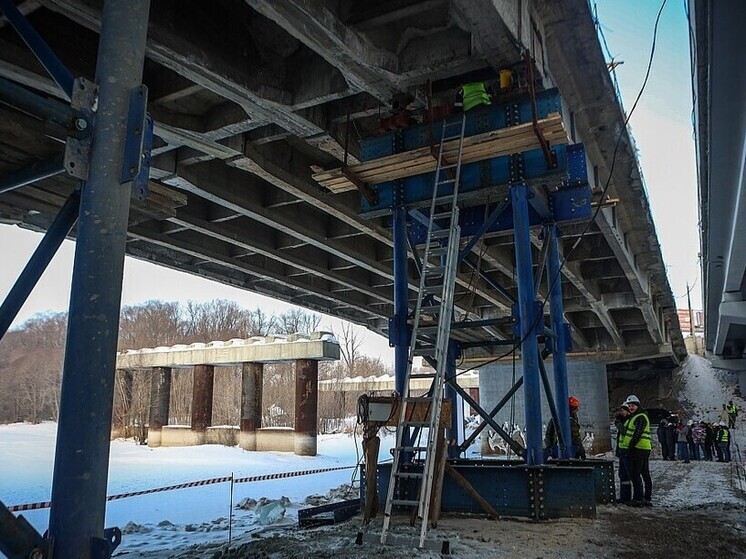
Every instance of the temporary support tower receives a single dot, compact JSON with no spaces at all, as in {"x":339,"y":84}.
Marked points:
{"x":108,"y":150}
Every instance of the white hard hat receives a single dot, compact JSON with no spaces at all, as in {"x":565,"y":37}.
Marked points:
{"x":632,"y":399}
{"x":690,"y":422}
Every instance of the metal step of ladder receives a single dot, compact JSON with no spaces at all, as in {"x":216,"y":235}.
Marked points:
{"x":434,"y":303}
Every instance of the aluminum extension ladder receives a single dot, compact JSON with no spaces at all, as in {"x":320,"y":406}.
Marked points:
{"x":435,"y":299}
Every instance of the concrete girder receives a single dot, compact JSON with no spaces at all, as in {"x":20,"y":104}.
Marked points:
{"x":365,"y":67}
{"x":492,"y":37}
{"x":203,"y":248}
{"x":576,"y":65}
{"x":640,"y":283}
{"x":261,"y":103}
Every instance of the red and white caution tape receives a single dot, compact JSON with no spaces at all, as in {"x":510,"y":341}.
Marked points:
{"x":249,"y":479}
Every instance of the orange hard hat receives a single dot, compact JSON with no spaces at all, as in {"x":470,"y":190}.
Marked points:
{"x":574,"y":402}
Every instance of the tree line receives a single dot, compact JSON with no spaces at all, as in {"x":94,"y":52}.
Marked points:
{"x":31,"y":365}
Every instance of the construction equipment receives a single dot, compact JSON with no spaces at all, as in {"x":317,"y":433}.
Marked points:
{"x":434,"y":304}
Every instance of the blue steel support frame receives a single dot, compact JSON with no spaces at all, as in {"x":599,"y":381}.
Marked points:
{"x":559,"y":342}
{"x":51,"y":63}
{"x":76,"y":520}
{"x":531,"y":322}
{"x":400,"y":339}
{"x":39,"y":261}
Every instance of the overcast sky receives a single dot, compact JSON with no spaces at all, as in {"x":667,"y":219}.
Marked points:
{"x":661,"y":126}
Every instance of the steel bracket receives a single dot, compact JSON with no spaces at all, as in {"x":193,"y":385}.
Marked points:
{"x":137,"y":124}
{"x":78,"y":150}
{"x":20,"y":540}
{"x":102,"y":548}
{"x":140,"y":186}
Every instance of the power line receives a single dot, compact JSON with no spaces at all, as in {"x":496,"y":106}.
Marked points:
{"x":540,"y":315}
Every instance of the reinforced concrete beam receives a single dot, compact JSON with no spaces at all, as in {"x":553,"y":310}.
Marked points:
{"x":318,"y":346}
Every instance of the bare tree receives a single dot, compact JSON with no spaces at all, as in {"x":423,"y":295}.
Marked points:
{"x":298,"y":320}
{"x":350,"y":341}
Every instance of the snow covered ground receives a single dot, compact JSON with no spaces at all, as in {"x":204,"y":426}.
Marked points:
{"x":181,"y":517}
{"x":705,"y":389}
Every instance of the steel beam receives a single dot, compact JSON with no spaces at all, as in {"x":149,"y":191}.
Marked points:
{"x":530,"y":323}
{"x":401,"y":299}
{"x":559,"y":343}
{"x":76,"y":521}
{"x":52,"y":64}
{"x":39,"y":261}
{"x":37,"y":171}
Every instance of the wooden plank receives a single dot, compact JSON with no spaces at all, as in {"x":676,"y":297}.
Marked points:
{"x":491,"y":144}
{"x":441,"y":455}
{"x":466,"y":486}
{"x":371,"y":448}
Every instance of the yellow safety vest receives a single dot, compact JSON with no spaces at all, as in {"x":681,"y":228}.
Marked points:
{"x":629,"y":429}
{"x":474,"y":95}
{"x":723,"y":435}
{"x":731,"y":409}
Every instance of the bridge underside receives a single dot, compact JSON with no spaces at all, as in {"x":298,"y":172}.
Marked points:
{"x":719,"y":79}
{"x":249,"y":97}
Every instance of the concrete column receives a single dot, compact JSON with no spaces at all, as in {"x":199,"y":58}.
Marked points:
{"x":474,"y":393}
{"x":160,"y":398}
{"x":204,"y":375}
{"x":125,"y":402}
{"x":306,"y":406}
{"x":251,"y":404}
{"x":587,"y":381}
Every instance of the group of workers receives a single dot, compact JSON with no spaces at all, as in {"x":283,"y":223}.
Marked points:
{"x":694,"y":440}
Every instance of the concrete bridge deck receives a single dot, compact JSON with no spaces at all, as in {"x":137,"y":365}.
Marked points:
{"x":248,"y":97}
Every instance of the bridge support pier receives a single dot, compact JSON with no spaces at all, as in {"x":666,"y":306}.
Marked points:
{"x":586,"y":379}
{"x":306,"y":406}
{"x":204,"y":377}
{"x":160,"y":398}
{"x":251,"y":404}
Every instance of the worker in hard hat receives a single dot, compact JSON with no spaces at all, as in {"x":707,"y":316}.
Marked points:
{"x":474,"y":95}
{"x":551,"y":439}
{"x":637,"y":443}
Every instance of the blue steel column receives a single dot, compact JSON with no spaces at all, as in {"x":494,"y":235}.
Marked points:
{"x":528,"y":324}
{"x":82,"y":455}
{"x":559,"y":357}
{"x":401,"y":298}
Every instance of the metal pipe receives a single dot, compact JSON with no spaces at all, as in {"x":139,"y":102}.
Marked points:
{"x":500,"y":405}
{"x":559,"y":342}
{"x":530,"y":323}
{"x":489,"y":222}
{"x":48,"y":110}
{"x":49,"y":60}
{"x":39,"y":261}
{"x":401,"y":299}
{"x":37,"y":171}
{"x":562,"y":441}
{"x":84,"y":427}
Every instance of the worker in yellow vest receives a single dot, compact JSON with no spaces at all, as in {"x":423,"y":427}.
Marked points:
{"x":474,"y":95}
{"x":636,"y":440}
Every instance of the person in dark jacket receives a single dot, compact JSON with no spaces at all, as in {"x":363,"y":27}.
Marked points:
{"x":722,"y":438}
{"x":709,"y":441}
{"x":625,"y":485}
{"x":662,"y":438}
{"x":691,"y":447}
{"x":671,"y":436}
{"x":551,"y":439}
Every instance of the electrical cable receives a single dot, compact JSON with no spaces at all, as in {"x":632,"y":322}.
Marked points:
{"x":540,"y":315}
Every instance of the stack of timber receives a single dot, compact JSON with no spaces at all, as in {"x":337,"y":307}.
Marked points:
{"x":495,"y":143}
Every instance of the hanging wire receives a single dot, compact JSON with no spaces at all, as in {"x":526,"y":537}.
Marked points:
{"x":540,"y":315}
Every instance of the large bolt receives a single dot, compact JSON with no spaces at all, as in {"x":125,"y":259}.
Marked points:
{"x":81,"y":124}
{"x":36,"y":554}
